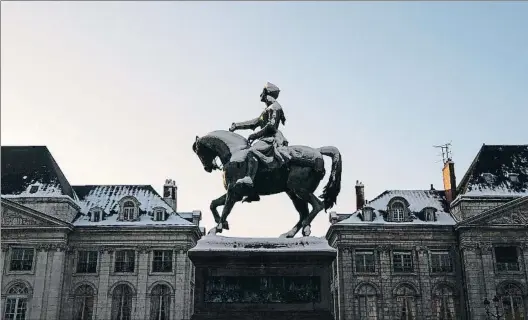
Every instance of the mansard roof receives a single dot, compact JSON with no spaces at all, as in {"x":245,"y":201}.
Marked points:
{"x":107,"y":197}
{"x":417,"y":200}
{"x":27,"y":166}
{"x":491,"y":172}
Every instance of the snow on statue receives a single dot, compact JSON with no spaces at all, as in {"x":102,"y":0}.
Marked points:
{"x":268,"y":166}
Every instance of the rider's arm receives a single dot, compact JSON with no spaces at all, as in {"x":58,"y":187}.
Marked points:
{"x":269,"y":129}
{"x":251,"y":124}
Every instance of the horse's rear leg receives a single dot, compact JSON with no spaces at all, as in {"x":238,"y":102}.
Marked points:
{"x":302,"y":207}
{"x":317,"y":206}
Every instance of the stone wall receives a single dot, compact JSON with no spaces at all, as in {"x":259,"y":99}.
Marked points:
{"x":142,"y":280}
{"x":384,"y":240}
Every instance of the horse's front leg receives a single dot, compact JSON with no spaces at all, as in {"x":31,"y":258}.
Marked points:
{"x":215,"y":204}
{"x":231,"y":199}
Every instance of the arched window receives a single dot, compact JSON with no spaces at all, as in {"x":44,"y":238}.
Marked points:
{"x":16,"y":303}
{"x":444,"y":304}
{"x":398,"y":211}
{"x":122,"y":302}
{"x":405,"y":303}
{"x":512,"y":302}
{"x":128,"y":210}
{"x":83,"y":304}
{"x":367,"y":303}
{"x":160,"y":298}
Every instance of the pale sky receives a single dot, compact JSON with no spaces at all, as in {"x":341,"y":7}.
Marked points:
{"x":119,"y":90}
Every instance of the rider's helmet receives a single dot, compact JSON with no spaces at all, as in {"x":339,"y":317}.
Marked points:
{"x":270,"y":90}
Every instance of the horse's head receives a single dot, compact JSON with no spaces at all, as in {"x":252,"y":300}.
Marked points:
{"x":221,"y":144}
{"x":205,"y":154}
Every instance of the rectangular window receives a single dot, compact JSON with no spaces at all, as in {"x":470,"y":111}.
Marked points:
{"x":402,"y":261}
{"x":506,"y":258}
{"x":441,"y":262}
{"x":125,"y":261}
{"x":22,"y":259}
{"x":365,"y":261}
{"x":162,"y":261}
{"x":159,"y":215}
{"x":87,"y":262}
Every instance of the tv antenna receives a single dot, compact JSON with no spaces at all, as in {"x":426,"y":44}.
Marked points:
{"x":446,"y":151}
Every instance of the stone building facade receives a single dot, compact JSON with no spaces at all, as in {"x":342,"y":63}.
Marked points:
{"x":120,"y":251}
{"x":91,"y":252}
{"x":438,"y":254}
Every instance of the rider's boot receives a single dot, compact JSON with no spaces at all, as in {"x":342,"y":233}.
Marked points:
{"x":252,"y":167}
{"x":252,"y":163}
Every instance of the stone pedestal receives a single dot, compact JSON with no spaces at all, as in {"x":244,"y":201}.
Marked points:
{"x":258,"y":278}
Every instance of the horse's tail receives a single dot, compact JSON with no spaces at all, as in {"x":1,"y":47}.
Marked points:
{"x":333,"y":187}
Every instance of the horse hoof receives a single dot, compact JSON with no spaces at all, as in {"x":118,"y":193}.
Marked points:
{"x":212,"y":232}
{"x":306,"y":231}
{"x":225,"y":225}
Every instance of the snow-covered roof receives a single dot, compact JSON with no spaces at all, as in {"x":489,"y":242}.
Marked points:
{"x":31,"y":171}
{"x":107,"y":198}
{"x":144,"y":220}
{"x":304,"y":244}
{"x":417,"y":200}
{"x":442,"y":218}
{"x":497,"y":170}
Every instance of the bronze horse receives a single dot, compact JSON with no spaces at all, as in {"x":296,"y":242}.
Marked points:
{"x":298,"y":178}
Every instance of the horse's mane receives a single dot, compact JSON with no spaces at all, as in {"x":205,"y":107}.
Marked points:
{"x":224,"y":141}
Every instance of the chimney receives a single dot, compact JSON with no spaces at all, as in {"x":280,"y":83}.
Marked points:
{"x":448,"y":174}
{"x":170,"y":194}
{"x":360,"y":195}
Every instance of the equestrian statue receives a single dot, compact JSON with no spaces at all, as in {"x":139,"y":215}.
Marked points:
{"x":265,"y":164}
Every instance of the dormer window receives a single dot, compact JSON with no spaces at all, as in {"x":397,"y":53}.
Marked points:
{"x":489,"y":177}
{"x":398,"y":211}
{"x":33,"y":189}
{"x":96,"y":216}
{"x":159,"y":215}
{"x":514,"y":177}
{"x":368,"y":214}
{"x":429,"y":214}
{"x":128,"y":210}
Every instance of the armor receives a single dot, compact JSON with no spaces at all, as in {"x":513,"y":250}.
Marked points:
{"x":270,"y":147}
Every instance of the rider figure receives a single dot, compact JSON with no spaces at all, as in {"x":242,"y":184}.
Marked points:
{"x":270,"y":144}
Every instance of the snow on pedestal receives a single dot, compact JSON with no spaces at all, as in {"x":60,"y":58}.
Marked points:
{"x":305,"y":244}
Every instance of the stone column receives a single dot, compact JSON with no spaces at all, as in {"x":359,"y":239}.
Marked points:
{"x":142,"y":274}
{"x":180,"y":304}
{"x":474,"y":282}
{"x":523,"y":261}
{"x":39,"y":284}
{"x":3,"y":261}
{"x":488,"y":271}
{"x":425,"y":282}
{"x":103,"y":303}
{"x":4,"y":266}
{"x":385,"y":311}
{"x":54,"y":291}
{"x":345,"y":275}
